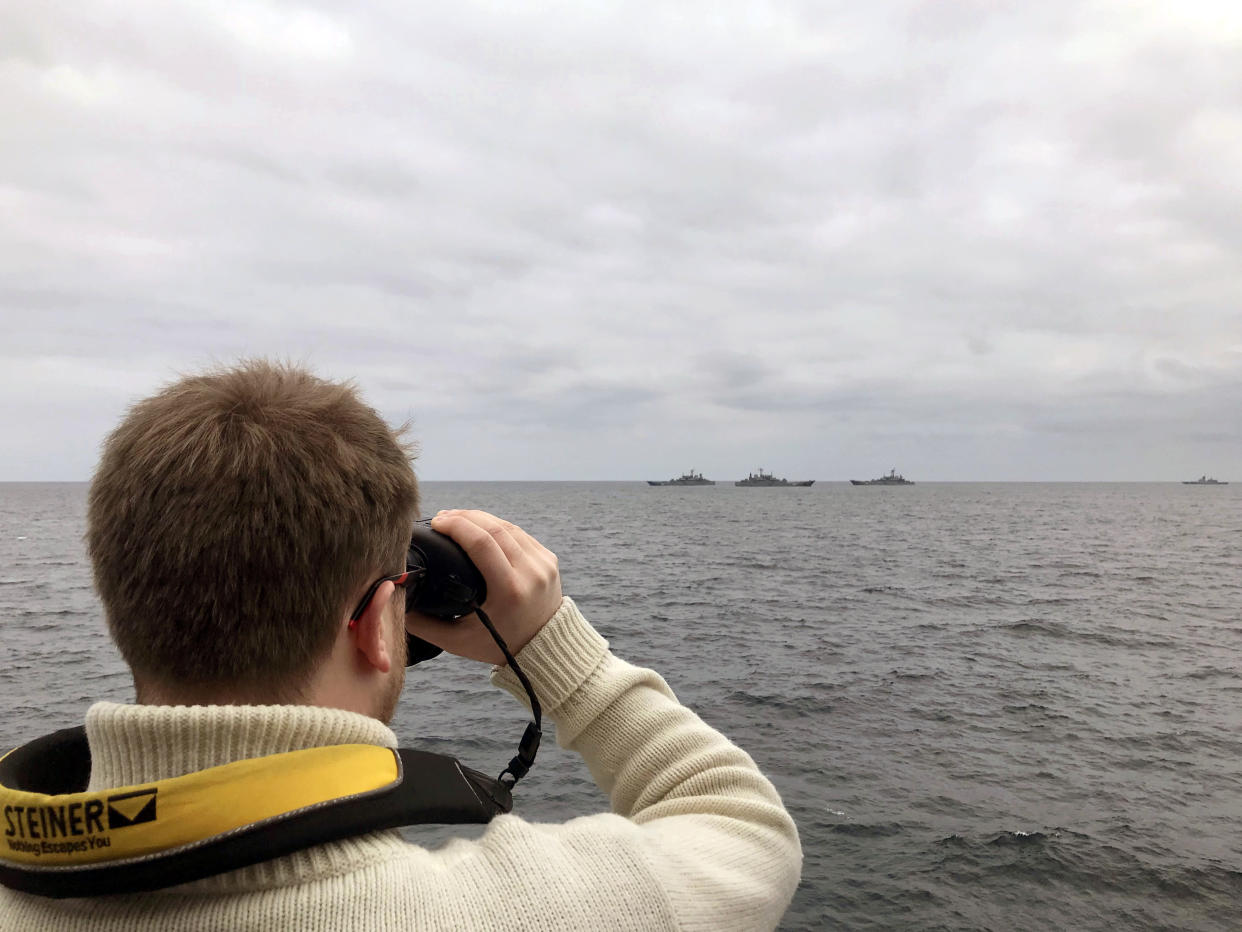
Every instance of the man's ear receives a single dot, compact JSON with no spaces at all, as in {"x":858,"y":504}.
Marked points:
{"x":372,"y":633}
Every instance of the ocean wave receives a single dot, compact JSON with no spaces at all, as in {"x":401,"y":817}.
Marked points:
{"x":1063,"y":858}
{"x":1113,"y":637}
{"x":867,"y":830}
{"x":794,"y":706}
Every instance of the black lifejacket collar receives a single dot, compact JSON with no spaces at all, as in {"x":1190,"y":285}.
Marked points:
{"x":49,"y":820}
{"x":58,"y":838}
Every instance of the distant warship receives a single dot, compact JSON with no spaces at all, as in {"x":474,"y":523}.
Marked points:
{"x":891,"y":479}
{"x":688,"y":478}
{"x":767,"y":480}
{"x":1203,"y":480}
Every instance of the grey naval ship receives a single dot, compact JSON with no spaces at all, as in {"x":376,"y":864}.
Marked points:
{"x":763,"y":479}
{"x":1203,"y":480}
{"x":893,"y":478}
{"x":689,"y":478}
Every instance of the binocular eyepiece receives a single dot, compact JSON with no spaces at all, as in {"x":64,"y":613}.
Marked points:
{"x":450,"y":587}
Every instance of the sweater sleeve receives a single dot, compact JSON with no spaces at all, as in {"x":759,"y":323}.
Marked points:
{"x":710,"y":828}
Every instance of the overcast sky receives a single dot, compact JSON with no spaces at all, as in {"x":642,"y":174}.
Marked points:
{"x":590,"y":240}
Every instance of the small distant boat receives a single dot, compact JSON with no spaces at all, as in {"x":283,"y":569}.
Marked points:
{"x":1203,"y":480}
{"x":688,"y":478}
{"x":893,"y":478}
{"x":767,"y":480}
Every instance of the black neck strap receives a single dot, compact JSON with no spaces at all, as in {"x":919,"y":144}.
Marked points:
{"x":529,"y":745}
{"x":417,"y":650}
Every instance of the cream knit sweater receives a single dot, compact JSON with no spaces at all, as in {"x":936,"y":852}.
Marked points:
{"x":698,"y":838}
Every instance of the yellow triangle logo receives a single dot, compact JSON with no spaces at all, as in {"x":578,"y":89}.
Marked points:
{"x":131,"y":808}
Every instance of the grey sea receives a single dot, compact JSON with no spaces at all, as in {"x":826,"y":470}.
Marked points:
{"x":988,"y":706}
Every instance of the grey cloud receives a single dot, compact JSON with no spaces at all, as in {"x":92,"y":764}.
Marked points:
{"x":826,"y":227}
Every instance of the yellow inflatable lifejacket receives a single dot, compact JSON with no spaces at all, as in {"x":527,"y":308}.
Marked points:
{"x":60,"y":840}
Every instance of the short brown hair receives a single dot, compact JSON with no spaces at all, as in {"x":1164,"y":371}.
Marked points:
{"x":233,"y":517}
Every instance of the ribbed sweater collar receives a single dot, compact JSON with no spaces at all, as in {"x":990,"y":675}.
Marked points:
{"x":139,"y":743}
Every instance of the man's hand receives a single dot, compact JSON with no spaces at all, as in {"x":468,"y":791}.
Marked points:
{"x":523,"y":587}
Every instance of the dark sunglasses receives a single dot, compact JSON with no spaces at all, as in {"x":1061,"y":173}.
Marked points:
{"x":411,"y":575}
